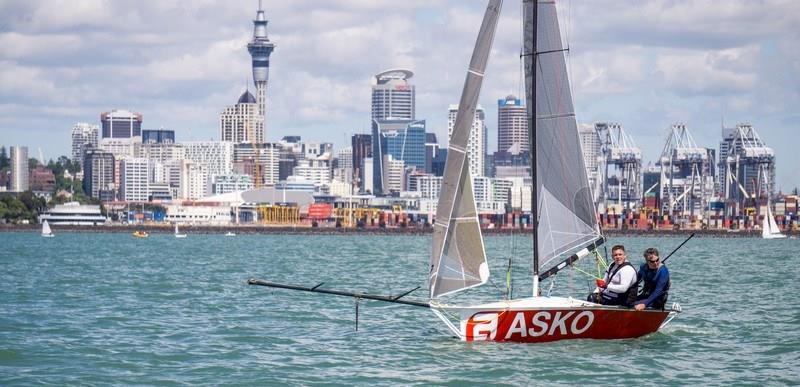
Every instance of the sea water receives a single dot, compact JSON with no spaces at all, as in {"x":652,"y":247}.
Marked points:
{"x":98,"y":309}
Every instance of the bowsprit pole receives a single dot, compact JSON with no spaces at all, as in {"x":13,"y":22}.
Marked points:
{"x":676,"y":249}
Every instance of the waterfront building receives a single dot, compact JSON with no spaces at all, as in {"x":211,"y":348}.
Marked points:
{"x":229,"y":183}
{"x":403,"y":139}
{"x":296,"y":184}
{"x":367,"y":178}
{"x":42,"y":180}
{"x":344,"y":165}
{"x":98,"y":172}
{"x":194,"y":180}
{"x":135,"y":179}
{"x":476,"y":145}
{"x":437,"y":164}
{"x":512,"y":126}
{"x":264,"y":156}
{"x":431,"y":148}
{"x":216,"y":155}
{"x":209,"y":214}
{"x":74,"y":213}
{"x":316,"y":171}
{"x":242,"y":122}
{"x":361,"y":145}
{"x":158,"y":136}
{"x":591,"y":147}
{"x":83,"y":134}
{"x":313,"y":150}
{"x":393,"y":97}
{"x":260,"y":48}
{"x":393,"y":173}
{"x":19,"y":169}
{"x":159,"y":192}
{"x":119,"y":123}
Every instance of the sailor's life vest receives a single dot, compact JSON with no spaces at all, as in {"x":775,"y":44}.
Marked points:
{"x":625,"y":298}
{"x":650,"y":286}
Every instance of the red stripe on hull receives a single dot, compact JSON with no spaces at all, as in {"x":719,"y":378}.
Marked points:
{"x":543,"y":325}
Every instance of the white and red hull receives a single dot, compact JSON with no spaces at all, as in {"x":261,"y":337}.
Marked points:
{"x":543,"y":319}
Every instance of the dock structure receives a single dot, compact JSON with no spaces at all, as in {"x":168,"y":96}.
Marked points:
{"x":621,"y":168}
{"x":747,"y":169}
{"x":687,"y":174}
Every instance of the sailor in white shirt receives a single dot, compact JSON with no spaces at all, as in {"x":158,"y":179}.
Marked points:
{"x":618,"y":286}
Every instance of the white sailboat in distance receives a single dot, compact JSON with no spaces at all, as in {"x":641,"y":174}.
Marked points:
{"x":769,"y":228}
{"x":46,"y":232}
{"x":177,"y":233}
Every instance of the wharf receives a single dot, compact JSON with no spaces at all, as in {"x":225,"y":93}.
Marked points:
{"x":156,"y":228}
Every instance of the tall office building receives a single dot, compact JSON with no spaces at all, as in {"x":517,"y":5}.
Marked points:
{"x":404,"y":140}
{"x":98,"y":172}
{"x":260,"y":49}
{"x":19,"y":169}
{"x":512,"y":126}
{"x":392,"y":95}
{"x":121,"y":124}
{"x":362,"y":148}
{"x":83,"y":134}
{"x":158,"y":136}
{"x":242,"y":122}
{"x":431,"y":149}
{"x":592,"y":155}
{"x":476,"y":145}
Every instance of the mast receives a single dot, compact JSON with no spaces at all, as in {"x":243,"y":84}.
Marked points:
{"x":532,"y":145}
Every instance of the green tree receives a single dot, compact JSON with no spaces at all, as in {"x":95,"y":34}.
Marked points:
{"x":33,"y":163}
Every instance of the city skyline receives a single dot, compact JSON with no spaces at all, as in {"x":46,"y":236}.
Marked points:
{"x":645,"y":65}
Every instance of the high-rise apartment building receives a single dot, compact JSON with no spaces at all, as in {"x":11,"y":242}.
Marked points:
{"x":242,"y":122}
{"x":83,"y":134}
{"x":19,"y":169}
{"x":135,"y":179}
{"x":98,"y":172}
{"x":217,"y":155}
{"x":476,"y":145}
{"x":512,"y":126}
{"x":260,"y":49}
{"x":120,"y":123}
{"x":393,"y":96}
{"x":265,"y":156}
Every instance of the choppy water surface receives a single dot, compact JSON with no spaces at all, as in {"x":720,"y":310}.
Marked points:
{"x":113,"y":309}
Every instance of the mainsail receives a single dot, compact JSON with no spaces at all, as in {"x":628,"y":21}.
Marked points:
{"x":458,"y":259}
{"x":46,"y":228}
{"x":566,"y":215}
{"x":769,"y":228}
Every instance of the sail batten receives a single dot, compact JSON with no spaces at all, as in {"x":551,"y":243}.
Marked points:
{"x":458,"y":258}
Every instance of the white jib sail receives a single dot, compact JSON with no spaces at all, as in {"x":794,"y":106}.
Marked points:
{"x":458,"y":259}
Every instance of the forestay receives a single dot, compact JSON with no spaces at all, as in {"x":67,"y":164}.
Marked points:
{"x":458,"y":259}
{"x":566,"y":214}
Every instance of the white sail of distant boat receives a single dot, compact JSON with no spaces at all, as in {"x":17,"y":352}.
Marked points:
{"x":177,"y":233}
{"x":769,"y":228}
{"x":565,"y":219}
{"x":46,"y":232}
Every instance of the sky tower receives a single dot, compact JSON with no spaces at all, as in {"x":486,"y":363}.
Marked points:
{"x":260,"y":48}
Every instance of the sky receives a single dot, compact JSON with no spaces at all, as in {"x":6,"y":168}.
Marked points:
{"x":643,"y":64}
